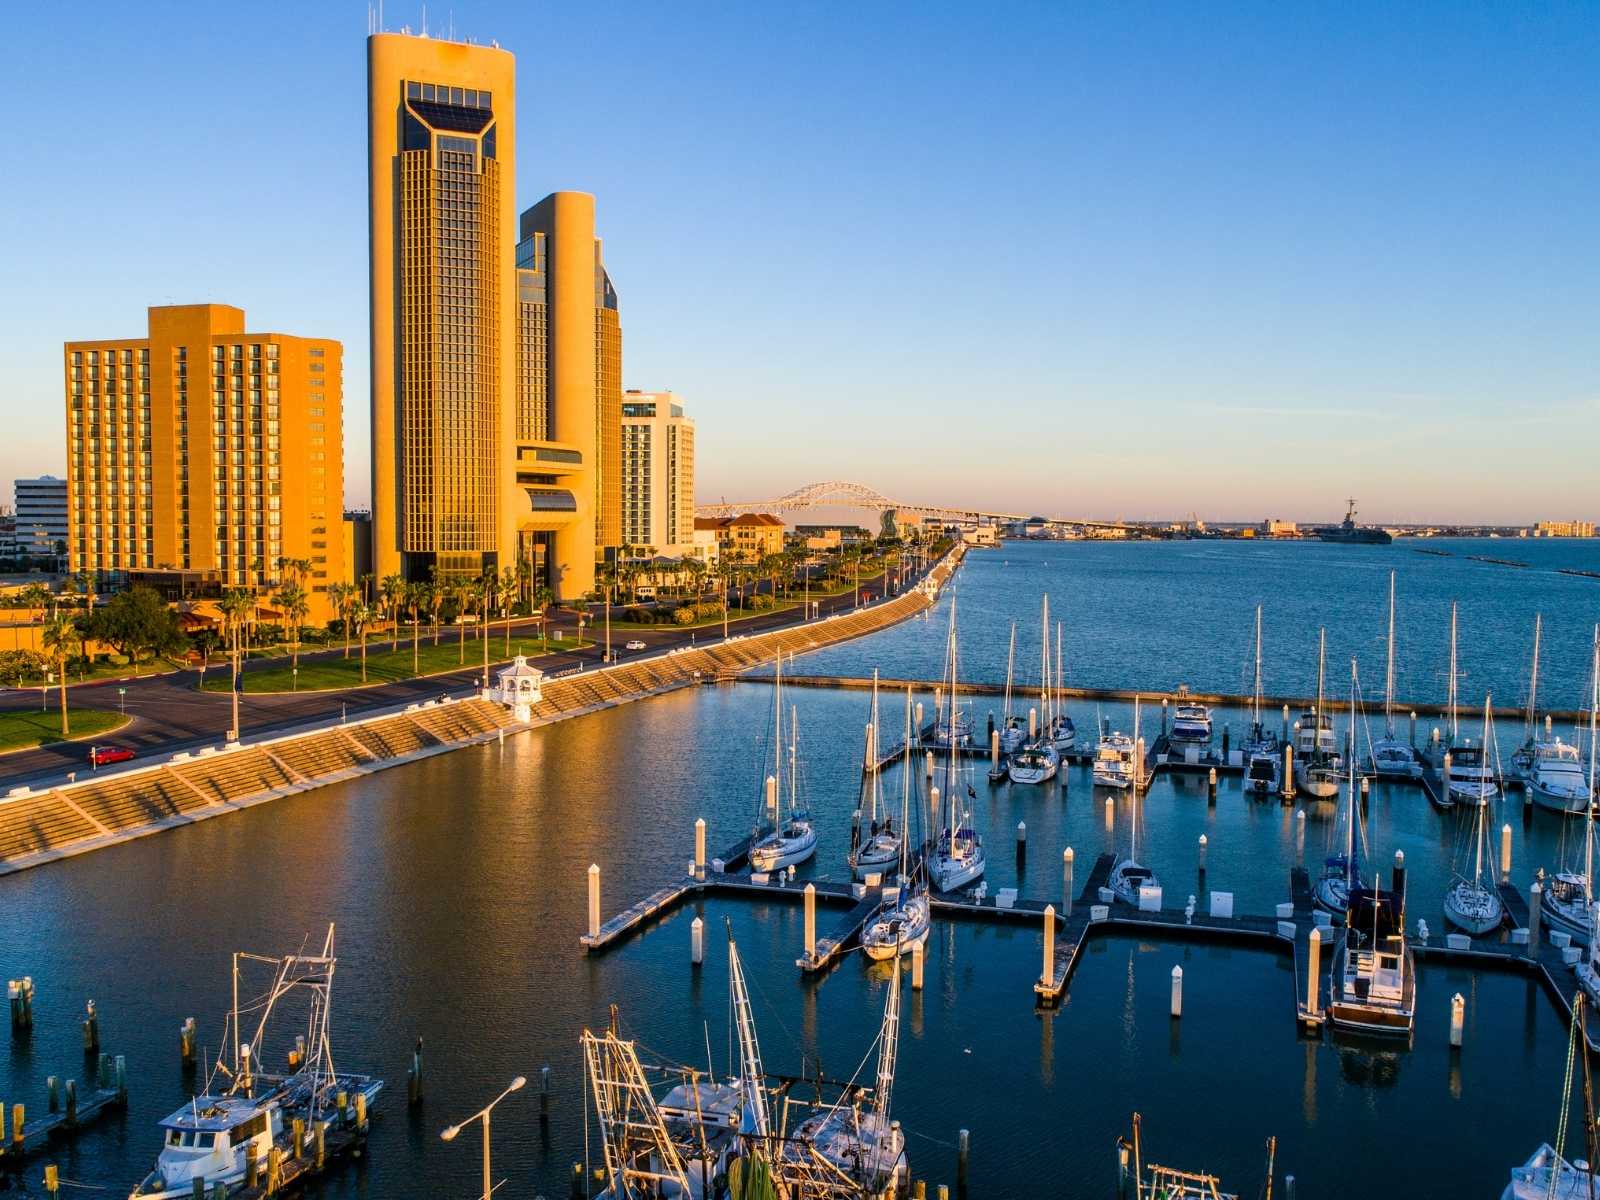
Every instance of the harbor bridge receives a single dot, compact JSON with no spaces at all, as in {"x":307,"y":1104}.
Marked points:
{"x":837,"y":493}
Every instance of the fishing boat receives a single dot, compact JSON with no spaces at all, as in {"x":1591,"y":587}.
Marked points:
{"x":1472,"y":905}
{"x":1341,"y":873}
{"x":1191,"y":723}
{"x":1263,"y":757}
{"x":1391,"y":755}
{"x":1317,"y":768}
{"x":209,"y":1141}
{"x":1013,"y":729}
{"x":1113,"y":761}
{"x":1568,"y":903}
{"x":782,"y":839}
{"x":1373,"y":973}
{"x":903,"y":920}
{"x":874,"y":841}
{"x":1547,"y":1175}
{"x":1151,"y":1181}
{"x":957,"y":853}
{"x":1128,"y":874}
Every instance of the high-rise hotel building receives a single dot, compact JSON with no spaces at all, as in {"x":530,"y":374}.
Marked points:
{"x":205,"y":449}
{"x":657,"y":472}
{"x":496,"y":350}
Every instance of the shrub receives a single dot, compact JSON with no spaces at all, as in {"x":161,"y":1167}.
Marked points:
{"x":684,"y":615}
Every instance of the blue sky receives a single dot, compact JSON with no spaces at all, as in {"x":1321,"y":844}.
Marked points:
{"x":1119,"y":260}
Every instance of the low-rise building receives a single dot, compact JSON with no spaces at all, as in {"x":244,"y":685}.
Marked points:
{"x":1564,"y":529}
{"x":749,"y":537}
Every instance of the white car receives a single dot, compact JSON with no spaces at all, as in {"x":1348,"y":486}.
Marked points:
{"x":636,"y":644}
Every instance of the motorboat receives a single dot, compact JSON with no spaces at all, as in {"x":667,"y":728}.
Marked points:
{"x":1191,"y":723}
{"x":1373,"y":972}
{"x":1263,"y":772}
{"x":1555,"y":777}
{"x":1469,"y":777}
{"x":1113,"y":761}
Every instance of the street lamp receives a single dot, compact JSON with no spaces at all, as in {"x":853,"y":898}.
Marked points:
{"x":449,"y":1133}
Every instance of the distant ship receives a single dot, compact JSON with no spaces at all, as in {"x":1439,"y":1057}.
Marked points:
{"x":1349,"y":531}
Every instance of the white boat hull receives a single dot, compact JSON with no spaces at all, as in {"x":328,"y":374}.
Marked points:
{"x":953,"y":874}
{"x":1112,"y":779}
{"x":1320,"y":783}
{"x":1562,"y":801}
{"x":1547,"y":1176}
{"x":881,"y":936}
{"x":1472,"y":911}
{"x":779,"y":853}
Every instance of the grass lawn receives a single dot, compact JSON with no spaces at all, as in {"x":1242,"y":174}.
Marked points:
{"x":734,"y":617}
{"x":100,"y":670}
{"x":382,"y":665}
{"x":25,"y":730}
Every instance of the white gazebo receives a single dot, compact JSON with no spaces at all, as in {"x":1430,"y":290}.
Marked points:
{"x":521,"y":687}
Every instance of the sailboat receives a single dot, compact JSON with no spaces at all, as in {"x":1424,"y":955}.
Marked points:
{"x":1471,"y":905}
{"x":1038,"y":761}
{"x":1547,"y":1175}
{"x":792,"y":839}
{"x":1263,"y":760}
{"x":1470,"y":779}
{"x":1316,"y":766}
{"x":1013,"y":729}
{"x":875,"y":847}
{"x":958,"y":856}
{"x":1128,"y":874}
{"x":1061,"y":733}
{"x":1552,"y":769}
{"x":904,"y":920}
{"x":1391,"y":755}
{"x":1341,"y":874}
{"x":1569,"y":901}
{"x":208,"y":1143}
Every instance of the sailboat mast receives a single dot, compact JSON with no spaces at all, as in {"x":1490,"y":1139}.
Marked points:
{"x":1256,"y":715}
{"x":889,"y":1048}
{"x":1594,"y":724}
{"x":905,"y":795}
{"x":1477,"y":839}
{"x":1388,"y":681}
{"x":1322,"y":659}
{"x":777,"y":737}
{"x":1133,"y":807}
{"x":1044,"y":663}
{"x":1350,"y":795}
{"x":1011,"y":662}
{"x":1455,"y":728}
{"x":873,"y":801}
{"x":1056,"y":701}
{"x":1533,"y":679}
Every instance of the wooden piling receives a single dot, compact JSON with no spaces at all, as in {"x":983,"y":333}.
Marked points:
{"x":1288,"y":769}
{"x":963,"y":1145}
{"x":1203,"y":845}
{"x":1177,"y":992}
{"x":72,"y":1103}
{"x":414,"y":1078}
{"x":53,"y":1092}
{"x":274,"y":1170}
{"x":1033,"y":723}
{"x":811,"y":920}
{"x":1535,"y":903}
{"x":1048,"y":974}
{"x":298,"y":1131}
{"x":916,"y":966}
{"x":1458,"y":1019}
{"x":1211,"y":786}
{"x":1111,"y":813}
{"x":20,"y":994}
{"x":1313,"y":972}
{"x":252,"y":1167}
{"x":91,"y":1030}
{"x":594,"y":900}
{"x":700,"y":847}
{"x":188,"y":1036}
{"x":772,"y":797}
{"x":928,"y":764}
{"x":697,"y":941}
{"x":52,"y":1180}
{"x":1505,"y":853}
{"x":994,"y":750}
{"x":1022,"y":841}
{"x":544,"y":1094}
{"x":319,"y":1142}
{"x":1066,"y":881}
{"x":19,"y":1136}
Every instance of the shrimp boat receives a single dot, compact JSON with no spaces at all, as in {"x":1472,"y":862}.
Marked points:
{"x":957,"y":856}
{"x":1392,"y":756}
{"x":1547,"y":1175}
{"x":1569,"y":899}
{"x":904,"y":919}
{"x":1341,"y":874}
{"x":1128,"y":875}
{"x":875,"y":847}
{"x":792,"y":838}
{"x":207,"y":1143}
{"x":1263,"y":760}
{"x":1373,"y":973}
{"x":1316,"y":765}
{"x":1471,"y":905}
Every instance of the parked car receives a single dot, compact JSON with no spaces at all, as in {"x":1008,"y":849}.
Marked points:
{"x":100,"y":756}
{"x":636,"y":644}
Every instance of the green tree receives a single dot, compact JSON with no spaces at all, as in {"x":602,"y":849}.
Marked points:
{"x":62,"y":639}
{"x":238,"y":607}
{"x":295,"y":604}
{"x":391,"y":590}
{"x":136,"y":622}
{"x":436,"y":598}
{"x":342,"y":595}
{"x":416,"y":598}
{"x":361,"y":615}
{"x":509,"y":587}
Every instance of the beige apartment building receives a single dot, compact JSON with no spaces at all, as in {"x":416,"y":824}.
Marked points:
{"x":657,"y":472}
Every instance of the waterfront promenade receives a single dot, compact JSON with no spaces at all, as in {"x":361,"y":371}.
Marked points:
{"x":40,"y":825}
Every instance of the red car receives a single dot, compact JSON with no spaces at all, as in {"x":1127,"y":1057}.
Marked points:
{"x":100,"y":756}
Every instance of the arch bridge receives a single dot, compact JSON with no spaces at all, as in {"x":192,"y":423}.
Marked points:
{"x":839,"y":493}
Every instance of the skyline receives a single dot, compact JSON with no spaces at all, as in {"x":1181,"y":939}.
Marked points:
{"x":1380,"y":228}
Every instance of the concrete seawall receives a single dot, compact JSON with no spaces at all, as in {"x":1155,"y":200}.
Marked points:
{"x":48,"y":824}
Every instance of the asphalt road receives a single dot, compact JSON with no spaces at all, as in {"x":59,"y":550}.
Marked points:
{"x":170,"y":713}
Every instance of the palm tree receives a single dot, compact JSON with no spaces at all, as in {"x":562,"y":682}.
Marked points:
{"x":461,"y":589}
{"x":416,"y":596}
{"x":435,"y":603}
{"x":237,"y":606}
{"x":295,"y":604}
{"x":35,"y":595}
{"x":341,"y":595}
{"x":361,"y":615}
{"x":543,"y":598}
{"x":509,"y":587}
{"x":62,"y":639}
{"x":392,"y":588}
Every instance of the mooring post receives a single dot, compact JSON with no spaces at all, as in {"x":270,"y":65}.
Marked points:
{"x":52,"y":1180}
{"x":1366,"y":791}
{"x":994,"y":750}
{"x":866,"y":754}
{"x":1122,"y":1169}
{"x":319,"y":1142}
{"x":1505,"y":853}
{"x":1066,"y":881}
{"x":252,"y":1169}
{"x":918,"y":731}
{"x":91,"y":1031}
{"x":1288,"y":1187}
{"x":1048,"y":975}
{"x":72,"y":1103}
{"x":963,"y":1144}
{"x":187,"y":1038}
{"x":20,"y":993}
{"x":1283,"y":734}
{"x":1138,"y":766}
{"x":1300,"y":836}
{"x":1177,"y":992}
{"x":594,"y":900}
{"x":700,"y":847}
{"x":1313,"y":971}
{"x":772,"y":798}
{"x":1458,"y":1019}
{"x":1203,"y":844}
{"x":414,"y":1080}
{"x":919,"y":1190}
{"x":298,"y":1127}
{"x":1413,"y":728}
{"x":1535,"y":900}
{"x":916,"y":966}
{"x":1033,"y":723}
{"x":944,"y":1191}
{"x":544,"y":1094}
{"x":1211,"y":786}
{"x":120,"y":1078}
{"x":52,"y":1089}
{"x":928,"y":763}
{"x":1022,"y":841}
{"x":933,"y":814}
{"x":811,"y":920}
{"x":697,"y":942}
{"x":1288,"y":770}
{"x":1163,"y":716}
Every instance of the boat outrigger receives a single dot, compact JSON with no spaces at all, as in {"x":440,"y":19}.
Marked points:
{"x":210,"y":1141}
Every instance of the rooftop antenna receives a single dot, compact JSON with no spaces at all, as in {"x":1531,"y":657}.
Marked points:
{"x":424,"y":20}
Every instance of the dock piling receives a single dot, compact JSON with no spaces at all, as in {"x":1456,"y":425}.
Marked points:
{"x":772,"y":797}
{"x":1413,"y":728}
{"x":994,"y":750}
{"x":91,"y":1031}
{"x":1288,"y":1187}
{"x":933,"y":807}
{"x":1022,"y":841}
{"x":1283,"y":734}
{"x":1300,"y":836}
{"x":52,"y":1180}
{"x":1203,"y":845}
{"x":1066,"y":881}
{"x":963,"y":1144}
{"x":928,"y":764}
{"x":188,"y":1038}
{"x":19,"y":1115}
{"x":1111,"y":813}
{"x":811,"y":920}
{"x":120,"y":1076}
{"x":414,"y":1079}
{"x":1313,"y":972}
{"x":252,"y":1166}
{"x":1177,"y":992}
{"x":72,"y":1103}
{"x":916,"y":966}
{"x":1458,"y":1019}
{"x":700,"y":847}
{"x":298,"y":1130}
{"x":1366,"y":791}
{"x":1211,"y":787}
{"x":1535,"y":901}
{"x":1505,"y":853}
{"x":544,"y":1094}
{"x":20,"y":993}
{"x":319,"y":1143}
{"x":594,"y":896}
{"x":53,"y":1092}
{"x":1048,"y":974}
{"x":866,"y":754}
{"x":1288,"y":768}
{"x":944,"y":1191}
{"x":697,"y":941}
{"x":1033,"y":723}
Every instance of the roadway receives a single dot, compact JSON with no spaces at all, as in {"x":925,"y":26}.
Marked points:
{"x":170,"y":713}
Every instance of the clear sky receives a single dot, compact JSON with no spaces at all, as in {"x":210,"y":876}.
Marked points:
{"x":1118,"y":259}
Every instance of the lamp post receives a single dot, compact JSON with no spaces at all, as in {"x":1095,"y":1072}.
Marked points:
{"x":449,"y":1133}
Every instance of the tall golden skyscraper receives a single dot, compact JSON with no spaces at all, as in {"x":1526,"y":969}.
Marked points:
{"x":442,"y":140}
{"x":205,"y":450}
{"x":496,"y":352}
